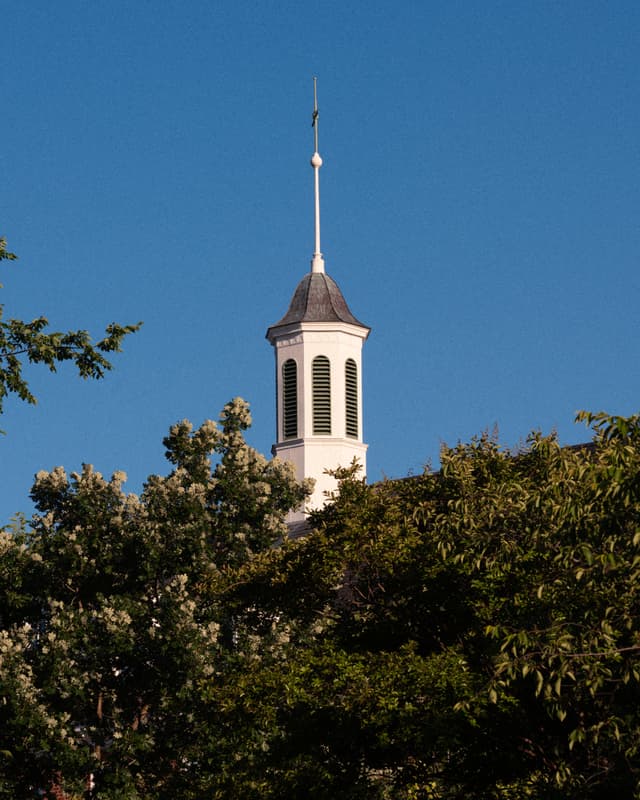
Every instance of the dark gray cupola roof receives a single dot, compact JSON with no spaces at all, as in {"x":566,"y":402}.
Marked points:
{"x":317,"y":298}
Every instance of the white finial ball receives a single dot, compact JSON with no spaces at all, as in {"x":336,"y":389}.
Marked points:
{"x":316,"y":161}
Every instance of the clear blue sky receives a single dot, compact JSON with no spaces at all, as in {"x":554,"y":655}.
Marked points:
{"x":480,"y":211}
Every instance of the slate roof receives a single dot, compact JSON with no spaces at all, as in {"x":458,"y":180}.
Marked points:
{"x":317,"y":298}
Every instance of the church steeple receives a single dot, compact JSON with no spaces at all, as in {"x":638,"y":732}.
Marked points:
{"x":318,"y":349}
{"x":317,"y":262}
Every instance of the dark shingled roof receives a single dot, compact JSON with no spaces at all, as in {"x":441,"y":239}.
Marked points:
{"x":317,"y":298}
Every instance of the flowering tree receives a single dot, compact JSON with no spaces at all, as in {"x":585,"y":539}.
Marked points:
{"x":111,"y":621}
{"x":472,"y":633}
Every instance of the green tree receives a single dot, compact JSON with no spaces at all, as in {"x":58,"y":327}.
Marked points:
{"x":470,"y":633}
{"x":22,"y":342}
{"x":467,"y":633}
{"x":111,"y":618}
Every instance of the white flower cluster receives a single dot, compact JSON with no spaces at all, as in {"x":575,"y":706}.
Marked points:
{"x":115,"y":620}
{"x":54,"y":481}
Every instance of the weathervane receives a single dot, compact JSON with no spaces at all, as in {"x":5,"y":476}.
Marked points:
{"x":314,"y":117}
{"x":317,"y":264}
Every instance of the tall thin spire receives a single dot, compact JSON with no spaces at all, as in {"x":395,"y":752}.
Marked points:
{"x":317,"y":263}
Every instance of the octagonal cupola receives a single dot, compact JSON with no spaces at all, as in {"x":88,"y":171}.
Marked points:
{"x":318,"y":351}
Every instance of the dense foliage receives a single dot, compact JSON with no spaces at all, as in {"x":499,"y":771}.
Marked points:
{"x":471,"y":633}
{"x":22,"y":342}
{"x":467,"y":633}
{"x":109,"y":619}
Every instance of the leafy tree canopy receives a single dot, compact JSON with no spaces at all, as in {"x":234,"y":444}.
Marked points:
{"x":470,"y":633}
{"x":111,"y":621}
{"x":22,"y":342}
{"x":467,"y":633}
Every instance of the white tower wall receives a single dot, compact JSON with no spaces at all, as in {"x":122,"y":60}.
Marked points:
{"x":313,"y":454}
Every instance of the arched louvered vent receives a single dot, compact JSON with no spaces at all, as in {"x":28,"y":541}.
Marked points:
{"x":351,"y":397}
{"x":321,"y":375}
{"x":290,"y":399}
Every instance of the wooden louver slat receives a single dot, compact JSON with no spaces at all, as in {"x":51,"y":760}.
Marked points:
{"x":290,"y":399}
{"x":321,"y":376}
{"x":351,"y":398}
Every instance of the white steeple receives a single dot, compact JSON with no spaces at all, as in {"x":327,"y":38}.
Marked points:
{"x":317,"y":262}
{"x":318,"y":350}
